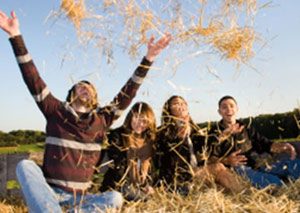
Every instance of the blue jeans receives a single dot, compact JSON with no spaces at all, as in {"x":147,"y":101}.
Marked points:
{"x":41,"y":197}
{"x":263,"y":177}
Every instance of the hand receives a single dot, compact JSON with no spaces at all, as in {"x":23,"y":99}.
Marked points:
{"x":231,"y":130}
{"x":235,"y":159}
{"x":184,"y":129}
{"x":284,"y":147}
{"x":237,"y":128}
{"x":155,"y":48}
{"x":9,"y":25}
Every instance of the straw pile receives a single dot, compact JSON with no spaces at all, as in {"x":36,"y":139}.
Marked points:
{"x":207,"y":199}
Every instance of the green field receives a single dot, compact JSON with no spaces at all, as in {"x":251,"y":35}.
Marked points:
{"x":37,"y":147}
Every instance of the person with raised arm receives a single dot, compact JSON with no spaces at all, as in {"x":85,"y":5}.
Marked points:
{"x":75,"y":129}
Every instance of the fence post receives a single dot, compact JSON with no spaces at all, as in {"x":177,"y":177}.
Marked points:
{"x":3,"y":175}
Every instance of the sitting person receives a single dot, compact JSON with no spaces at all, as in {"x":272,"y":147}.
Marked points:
{"x":131,"y":149}
{"x":182,"y":153}
{"x":74,"y":133}
{"x":240,"y":146}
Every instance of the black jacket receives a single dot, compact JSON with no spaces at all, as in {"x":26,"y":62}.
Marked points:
{"x":172,"y":155}
{"x":249,"y":141}
{"x":117,"y":151}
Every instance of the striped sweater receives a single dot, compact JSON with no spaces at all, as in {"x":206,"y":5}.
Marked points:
{"x":73,"y":142}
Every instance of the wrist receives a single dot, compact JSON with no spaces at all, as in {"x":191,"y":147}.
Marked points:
{"x":14,"y":33}
{"x":149,"y":58}
{"x":225,"y":162}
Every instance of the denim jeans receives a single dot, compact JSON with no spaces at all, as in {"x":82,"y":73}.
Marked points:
{"x":41,"y":197}
{"x":262,"y":177}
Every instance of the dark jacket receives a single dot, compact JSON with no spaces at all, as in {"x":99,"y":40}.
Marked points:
{"x":118,"y":151}
{"x":249,"y":141}
{"x":172,"y":156}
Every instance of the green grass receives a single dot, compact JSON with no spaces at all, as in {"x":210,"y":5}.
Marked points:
{"x":287,"y":140}
{"x":37,"y":147}
{"x":12,"y":184}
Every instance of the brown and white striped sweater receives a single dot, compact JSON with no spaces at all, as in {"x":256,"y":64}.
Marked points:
{"x":73,"y":142}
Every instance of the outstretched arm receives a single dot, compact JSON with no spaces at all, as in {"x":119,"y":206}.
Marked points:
{"x":128,"y":91}
{"x":37,"y":87}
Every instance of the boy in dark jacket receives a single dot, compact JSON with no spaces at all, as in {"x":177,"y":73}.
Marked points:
{"x":240,"y":146}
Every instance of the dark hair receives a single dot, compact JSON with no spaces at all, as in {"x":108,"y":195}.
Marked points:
{"x":168,"y":121}
{"x":226,"y":97}
{"x":72,"y":91}
{"x":166,"y":115}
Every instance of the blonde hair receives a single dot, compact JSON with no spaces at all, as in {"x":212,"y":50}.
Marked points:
{"x":143,"y":109}
{"x":147,"y":139}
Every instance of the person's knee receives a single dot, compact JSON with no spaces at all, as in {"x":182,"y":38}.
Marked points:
{"x":219,"y":168}
{"x":26,"y":168}
{"x":116,"y":199}
{"x":22,"y":165}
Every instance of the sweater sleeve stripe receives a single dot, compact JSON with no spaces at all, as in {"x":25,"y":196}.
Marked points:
{"x":23,"y":59}
{"x":40,"y":97}
{"x":137,"y":79}
{"x":37,"y":87}
{"x":123,"y":99}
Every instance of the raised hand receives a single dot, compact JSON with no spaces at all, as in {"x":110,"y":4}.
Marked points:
{"x":9,"y":24}
{"x":235,"y":159}
{"x":154,"y":48}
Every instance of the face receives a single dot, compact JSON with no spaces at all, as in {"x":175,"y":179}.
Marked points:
{"x":179,"y":109}
{"x":84,"y":93}
{"x":228,"y":110}
{"x":139,"y":123}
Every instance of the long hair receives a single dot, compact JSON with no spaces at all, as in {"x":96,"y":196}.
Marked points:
{"x":147,"y":137}
{"x":143,"y":109}
{"x":71,"y":94}
{"x":169,"y":121}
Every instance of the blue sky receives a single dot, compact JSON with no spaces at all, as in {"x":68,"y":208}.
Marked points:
{"x":273,"y":87}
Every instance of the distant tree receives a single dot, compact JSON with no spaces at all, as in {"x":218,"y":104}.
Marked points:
{"x":273,"y":126}
{"x":21,"y":137}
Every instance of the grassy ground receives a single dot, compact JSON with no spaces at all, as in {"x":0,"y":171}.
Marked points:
{"x":288,"y":140}
{"x":37,"y":147}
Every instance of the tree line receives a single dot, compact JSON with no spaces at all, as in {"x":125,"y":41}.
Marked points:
{"x":18,"y":137}
{"x":273,"y":126}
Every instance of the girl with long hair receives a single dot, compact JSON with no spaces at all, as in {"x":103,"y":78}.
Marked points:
{"x":183,"y":151}
{"x":131,"y":149}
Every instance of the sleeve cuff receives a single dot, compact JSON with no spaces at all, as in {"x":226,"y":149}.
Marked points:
{"x":146,"y":62}
{"x":18,"y":45}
